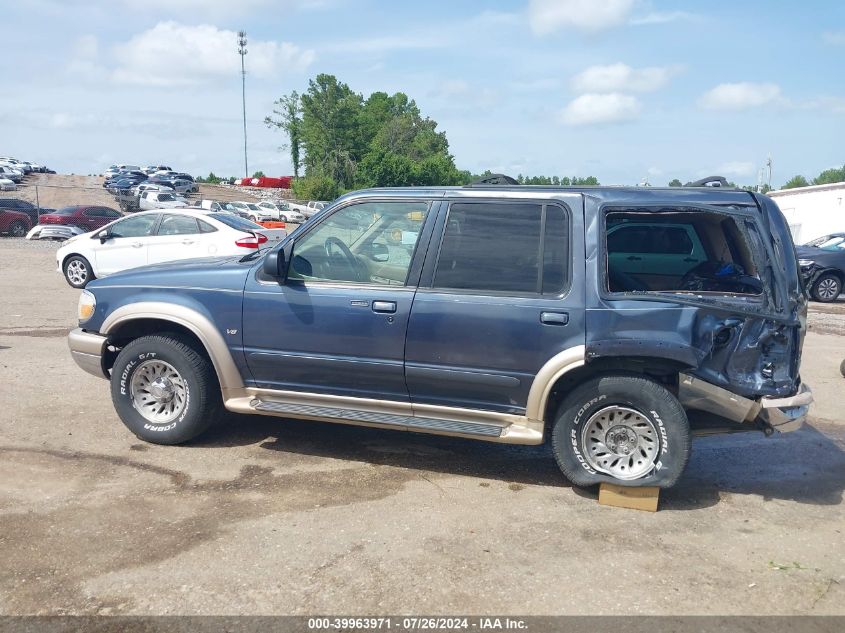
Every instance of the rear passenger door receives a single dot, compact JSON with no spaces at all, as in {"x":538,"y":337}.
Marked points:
{"x":177,"y":237}
{"x":502,"y":291}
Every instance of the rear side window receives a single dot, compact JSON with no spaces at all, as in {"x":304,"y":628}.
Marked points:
{"x":236,"y":222}
{"x":678,"y":251}
{"x":499,"y":247}
{"x":178,"y":225}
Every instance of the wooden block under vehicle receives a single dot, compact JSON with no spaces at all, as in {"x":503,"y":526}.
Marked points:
{"x":634,"y":498}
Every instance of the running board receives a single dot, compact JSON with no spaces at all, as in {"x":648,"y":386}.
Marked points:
{"x":371,"y":417}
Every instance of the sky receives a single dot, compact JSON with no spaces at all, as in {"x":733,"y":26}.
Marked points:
{"x":624,"y":90}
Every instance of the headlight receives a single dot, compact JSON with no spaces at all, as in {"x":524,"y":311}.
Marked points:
{"x":87,"y":305}
{"x":804,"y":263}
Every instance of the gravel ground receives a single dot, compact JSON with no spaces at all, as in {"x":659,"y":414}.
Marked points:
{"x":266,"y":516}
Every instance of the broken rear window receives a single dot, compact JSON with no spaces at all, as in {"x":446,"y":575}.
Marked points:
{"x":678,"y":251}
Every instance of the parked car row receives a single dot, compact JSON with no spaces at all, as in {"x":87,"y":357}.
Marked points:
{"x":13,"y":171}
{"x":153,"y":237}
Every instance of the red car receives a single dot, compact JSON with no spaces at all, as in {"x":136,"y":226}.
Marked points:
{"x":14,"y":223}
{"x":84,"y":216}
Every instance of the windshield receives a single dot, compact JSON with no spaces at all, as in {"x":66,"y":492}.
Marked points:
{"x":253,"y":207}
{"x":64,"y":211}
{"x":236,"y":222}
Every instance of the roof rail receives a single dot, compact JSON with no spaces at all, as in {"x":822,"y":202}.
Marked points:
{"x":494,"y":179}
{"x":710,"y":181}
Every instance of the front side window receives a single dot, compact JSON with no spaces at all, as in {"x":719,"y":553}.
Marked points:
{"x":138,"y":226}
{"x":498,"y":247}
{"x":368,"y":243}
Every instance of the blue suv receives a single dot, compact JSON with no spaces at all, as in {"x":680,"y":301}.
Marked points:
{"x":617,"y":322}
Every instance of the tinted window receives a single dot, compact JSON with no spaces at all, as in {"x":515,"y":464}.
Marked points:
{"x":555,"y":250}
{"x":492,"y":246}
{"x":649,"y":239}
{"x":370,"y":243}
{"x":178,"y":225}
{"x":138,"y":226}
{"x":236,"y":222}
{"x":65,"y":211}
{"x":205,"y":227}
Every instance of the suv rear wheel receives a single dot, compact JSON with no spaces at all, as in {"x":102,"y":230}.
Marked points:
{"x":626,"y":430}
{"x":164,"y":390}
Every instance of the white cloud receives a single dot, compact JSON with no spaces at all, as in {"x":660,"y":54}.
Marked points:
{"x":834,"y":38}
{"x":664,"y":17}
{"x":173,"y":54}
{"x":84,"y":56}
{"x":735,"y":168}
{"x":622,"y":78}
{"x":592,"y":109}
{"x":547,"y":16}
{"x":739,"y":96}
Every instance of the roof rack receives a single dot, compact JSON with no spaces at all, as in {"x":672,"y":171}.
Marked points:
{"x":494,"y":179}
{"x":710,"y":181}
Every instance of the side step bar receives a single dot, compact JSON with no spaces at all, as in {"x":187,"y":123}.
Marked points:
{"x":370,"y":417}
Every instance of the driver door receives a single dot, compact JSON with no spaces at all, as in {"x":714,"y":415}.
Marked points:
{"x":127,"y":243}
{"x":338,"y":323}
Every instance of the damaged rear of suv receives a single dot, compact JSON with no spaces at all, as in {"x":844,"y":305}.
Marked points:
{"x":619,"y":322}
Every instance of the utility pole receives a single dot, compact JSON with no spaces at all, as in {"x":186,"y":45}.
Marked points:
{"x":242,"y":53}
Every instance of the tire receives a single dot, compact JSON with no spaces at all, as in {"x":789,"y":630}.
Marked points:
{"x":164,"y":390}
{"x":78,"y":271}
{"x":842,"y":368}
{"x":17,"y":229}
{"x":606,"y":424}
{"x":283,"y":218}
{"x":827,"y":288}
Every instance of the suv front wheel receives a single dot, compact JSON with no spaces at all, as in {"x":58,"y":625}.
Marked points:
{"x":626,"y":430}
{"x":164,"y":390}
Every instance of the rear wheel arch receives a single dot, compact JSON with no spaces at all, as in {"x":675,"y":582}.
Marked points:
{"x":661,"y":370}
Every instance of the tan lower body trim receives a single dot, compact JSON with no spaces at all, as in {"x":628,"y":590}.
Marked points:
{"x":439,"y":420}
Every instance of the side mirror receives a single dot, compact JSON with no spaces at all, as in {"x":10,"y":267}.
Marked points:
{"x":274,"y":264}
{"x":104,"y":236}
{"x":379,"y":252}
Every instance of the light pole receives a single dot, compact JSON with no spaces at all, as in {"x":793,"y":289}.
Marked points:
{"x":242,"y":52}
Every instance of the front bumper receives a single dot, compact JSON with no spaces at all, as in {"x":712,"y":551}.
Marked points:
{"x":781,"y":414}
{"x":87,"y":351}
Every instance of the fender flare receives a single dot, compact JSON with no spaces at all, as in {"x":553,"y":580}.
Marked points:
{"x":199,"y":324}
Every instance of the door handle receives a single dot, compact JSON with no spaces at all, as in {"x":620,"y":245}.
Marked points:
{"x":634,"y":258}
{"x":186,"y":242}
{"x":690,"y":259}
{"x":554,"y":318}
{"x":384,"y":306}
{"x":136,"y":245}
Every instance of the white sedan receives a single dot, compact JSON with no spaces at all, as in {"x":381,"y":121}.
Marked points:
{"x":152,"y":237}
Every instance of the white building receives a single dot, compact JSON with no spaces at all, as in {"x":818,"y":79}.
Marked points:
{"x":812,"y":211}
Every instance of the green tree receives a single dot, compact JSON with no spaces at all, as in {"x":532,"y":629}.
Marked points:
{"x":315,"y":187}
{"x":288,"y":118}
{"x":258,"y":174}
{"x":796,"y":181}
{"x":330,"y":129}
{"x":675,"y":183}
{"x":829,"y":176}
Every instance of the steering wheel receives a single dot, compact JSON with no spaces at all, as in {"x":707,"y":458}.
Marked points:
{"x":350,"y":260}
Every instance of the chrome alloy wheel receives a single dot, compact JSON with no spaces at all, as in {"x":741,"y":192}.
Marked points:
{"x":158,"y":392}
{"x":76,"y":272}
{"x":828,"y":288}
{"x":621,"y":442}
